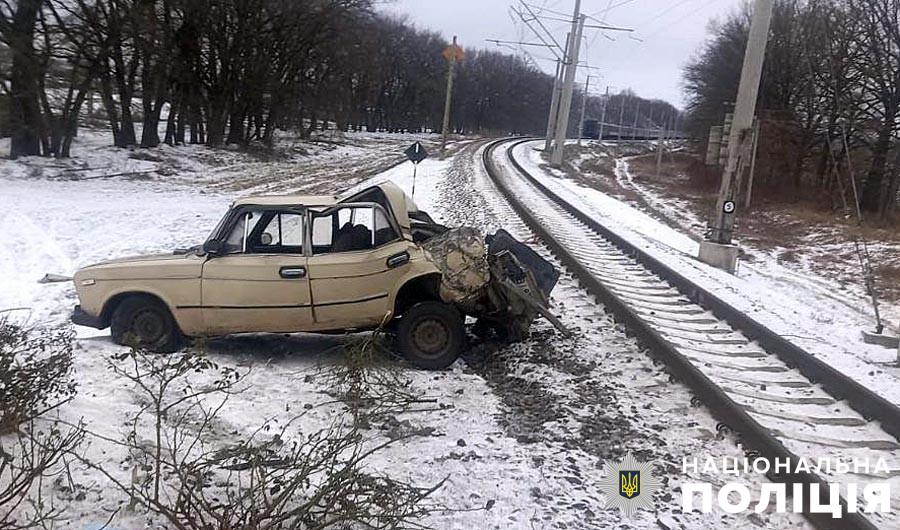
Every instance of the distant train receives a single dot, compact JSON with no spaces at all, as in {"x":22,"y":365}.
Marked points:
{"x":612,"y":131}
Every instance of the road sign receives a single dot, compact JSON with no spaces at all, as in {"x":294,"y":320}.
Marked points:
{"x":454,"y":53}
{"x":728,"y":207}
{"x":416,"y":153}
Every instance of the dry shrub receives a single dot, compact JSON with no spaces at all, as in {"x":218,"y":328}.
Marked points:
{"x":370,"y":382}
{"x":34,"y":368}
{"x":34,"y":379}
{"x":193,"y":475}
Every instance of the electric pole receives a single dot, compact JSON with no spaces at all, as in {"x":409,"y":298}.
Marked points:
{"x":659,"y":152}
{"x":637,"y":111}
{"x":584,"y":97}
{"x":452,"y":53}
{"x":554,"y":106}
{"x":565,"y":103}
{"x":717,"y":250}
{"x":603,"y":115}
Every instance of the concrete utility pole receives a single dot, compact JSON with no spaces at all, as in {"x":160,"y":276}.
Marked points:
{"x":621,"y":115}
{"x":565,"y":102}
{"x":554,"y":106}
{"x":718,"y":250}
{"x":584,"y":99}
{"x":755,"y":146}
{"x":453,"y":53}
{"x":637,"y":111}
{"x":659,"y":151}
{"x":603,"y":115}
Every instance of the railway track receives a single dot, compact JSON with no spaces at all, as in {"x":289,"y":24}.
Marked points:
{"x":780,"y":400}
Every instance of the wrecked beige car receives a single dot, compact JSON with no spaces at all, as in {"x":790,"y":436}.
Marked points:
{"x":287,"y":264}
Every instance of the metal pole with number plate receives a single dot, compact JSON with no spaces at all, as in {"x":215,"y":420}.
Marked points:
{"x":722,"y":228}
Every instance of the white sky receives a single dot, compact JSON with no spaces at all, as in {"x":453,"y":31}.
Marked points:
{"x":671,"y":31}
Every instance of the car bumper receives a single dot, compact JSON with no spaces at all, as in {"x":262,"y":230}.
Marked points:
{"x":82,"y":318}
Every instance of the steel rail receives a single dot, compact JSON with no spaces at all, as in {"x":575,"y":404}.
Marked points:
{"x":753,"y":436}
{"x":862,"y":399}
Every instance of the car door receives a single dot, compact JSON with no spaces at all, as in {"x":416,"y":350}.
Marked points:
{"x":259,"y":283}
{"x":357,"y":259}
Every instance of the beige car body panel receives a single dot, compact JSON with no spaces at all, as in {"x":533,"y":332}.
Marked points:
{"x":358,"y":289}
{"x":237,"y":293}
{"x":173,"y":279}
{"x":244,"y":293}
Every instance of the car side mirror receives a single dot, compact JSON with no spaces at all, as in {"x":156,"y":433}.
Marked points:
{"x":213,"y":247}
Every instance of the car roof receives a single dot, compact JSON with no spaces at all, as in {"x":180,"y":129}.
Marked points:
{"x":392,"y":197}
{"x":287,"y":200}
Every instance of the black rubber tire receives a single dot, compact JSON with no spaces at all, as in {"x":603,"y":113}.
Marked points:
{"x":431,"y":335}
{"x":145,"y":322}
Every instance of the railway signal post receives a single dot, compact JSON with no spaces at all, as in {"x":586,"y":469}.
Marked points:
{"x":453,"y":54}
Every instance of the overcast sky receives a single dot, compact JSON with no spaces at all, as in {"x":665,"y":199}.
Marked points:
{"x":670,"y":31}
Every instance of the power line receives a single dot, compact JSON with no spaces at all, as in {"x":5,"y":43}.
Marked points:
{"x":665,"y":12}
{"x":679,"y":19}
{"x":536,"y":32}
{"x":609,"y":7}
{"x":608,"y":28}
{"x":565,"y":15}
{"x":520,"y":43}
{"x":541,"y":9}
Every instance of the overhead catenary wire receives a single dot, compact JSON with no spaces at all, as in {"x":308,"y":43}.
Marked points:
{"x":645,"y":36}
{"x":541,"y":24}
{"x":520,"y":43}
{"x":548,"y":10}
{"x":567,"y":16}
{"x":666,"y":11}
{"x":599,"y":33}
{"x":610,"y":7}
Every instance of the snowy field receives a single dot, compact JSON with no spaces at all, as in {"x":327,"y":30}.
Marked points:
{"x":520,"y":437}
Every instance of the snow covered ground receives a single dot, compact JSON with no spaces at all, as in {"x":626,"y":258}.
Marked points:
{"x":801,"y":307}
{"x":524,"y":431}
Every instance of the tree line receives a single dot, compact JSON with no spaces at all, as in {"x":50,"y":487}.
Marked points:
{"x":829,"y":99}
{"x":236,"y":71}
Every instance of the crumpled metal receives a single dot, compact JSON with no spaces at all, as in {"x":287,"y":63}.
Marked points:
{"x":460,"y":255}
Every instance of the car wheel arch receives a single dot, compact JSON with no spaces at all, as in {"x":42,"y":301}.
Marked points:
{"x":115,"y":300}
{"x":423,"y":288}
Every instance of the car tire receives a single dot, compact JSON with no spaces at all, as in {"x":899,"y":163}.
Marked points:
{"x":144,"y":322}
{"x":431,"y":335}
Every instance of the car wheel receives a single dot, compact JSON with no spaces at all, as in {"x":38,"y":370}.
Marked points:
{"x":146,"y":323}
{"x":431,"y":335}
